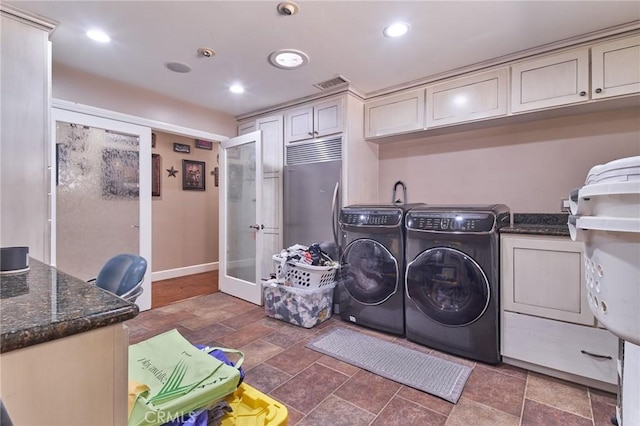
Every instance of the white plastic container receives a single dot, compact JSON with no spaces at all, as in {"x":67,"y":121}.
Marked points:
{"x":606,"y":217}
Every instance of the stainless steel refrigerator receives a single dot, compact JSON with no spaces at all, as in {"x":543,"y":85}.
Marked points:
{"x":312,"y":186}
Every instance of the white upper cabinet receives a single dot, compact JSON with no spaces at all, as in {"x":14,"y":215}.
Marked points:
{"x":248,"y":127}
{"x":616,"y":68}
{"x":550,"y":81}
{"x":395,"y":114}
{"x":314,"y":121}
{"x":478,"y":96}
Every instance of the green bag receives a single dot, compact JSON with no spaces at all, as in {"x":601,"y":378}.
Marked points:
{"x":180,"y":377}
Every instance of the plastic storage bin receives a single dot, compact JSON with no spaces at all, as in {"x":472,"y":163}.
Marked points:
{"x":606,"y":217}
{"x":306,"y":307}
{"x":303,"y":275}
{"x":253,"y":408}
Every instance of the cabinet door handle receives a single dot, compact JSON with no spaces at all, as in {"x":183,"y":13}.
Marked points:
{"x":598,"y":90}
{"x":310,"y":133}
{"x":583,"y":93}
{"x":595,"y":355}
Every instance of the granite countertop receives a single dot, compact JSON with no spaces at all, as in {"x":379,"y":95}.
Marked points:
{"x":44,"y":304}
{"x":538,"y":224}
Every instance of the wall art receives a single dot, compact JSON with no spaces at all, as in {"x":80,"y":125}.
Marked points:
{"x":193,"y":175}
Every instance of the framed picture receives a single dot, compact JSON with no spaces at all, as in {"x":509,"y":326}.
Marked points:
{"x":204,"y":144}
{"x":120,"y":173}
{"x":181,"y":147}
{"x":155,"y":175}
{"x":193,"y":175}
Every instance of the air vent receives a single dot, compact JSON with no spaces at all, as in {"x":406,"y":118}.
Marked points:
{"x":314,"y":152}
{"x":330,"y":84}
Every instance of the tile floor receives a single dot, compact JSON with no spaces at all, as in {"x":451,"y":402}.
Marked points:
{"x":320,"y":390}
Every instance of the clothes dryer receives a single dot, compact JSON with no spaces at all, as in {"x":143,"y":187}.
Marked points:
{"x":370,"y":289}
{"x":452,"y":279}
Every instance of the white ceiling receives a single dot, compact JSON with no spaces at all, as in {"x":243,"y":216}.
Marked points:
{"x":341,"y":38}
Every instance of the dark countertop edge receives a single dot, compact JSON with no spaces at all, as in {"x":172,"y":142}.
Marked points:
{"x":32,"y":336}
{"x":552,"y":230}
{"x":554,"y":224}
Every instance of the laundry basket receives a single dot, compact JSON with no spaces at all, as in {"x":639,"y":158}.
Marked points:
{"x":303,"y":275}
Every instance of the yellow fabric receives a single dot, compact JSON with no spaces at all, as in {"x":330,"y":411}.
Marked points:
{"x":135,"y":389}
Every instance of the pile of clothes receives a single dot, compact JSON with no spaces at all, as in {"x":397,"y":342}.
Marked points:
{"x":312,"y":255}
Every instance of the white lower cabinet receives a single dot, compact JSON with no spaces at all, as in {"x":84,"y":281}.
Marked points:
{"x":583,"y":351}
{"x":543,"y":276}
{"x":546,"y":322}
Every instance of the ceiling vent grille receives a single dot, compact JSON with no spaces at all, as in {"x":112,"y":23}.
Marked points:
{"x":314,"y":152}
{"x":330,"y":84}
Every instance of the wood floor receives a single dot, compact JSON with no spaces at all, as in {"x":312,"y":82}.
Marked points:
{"x":173,"y":290}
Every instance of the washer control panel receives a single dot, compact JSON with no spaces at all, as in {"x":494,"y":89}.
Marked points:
{"x":371,"y":217}
{"x":451,"y":222}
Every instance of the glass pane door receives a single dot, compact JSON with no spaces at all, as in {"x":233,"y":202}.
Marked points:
{"x":241,"y":221}
{"x":98,"y":194}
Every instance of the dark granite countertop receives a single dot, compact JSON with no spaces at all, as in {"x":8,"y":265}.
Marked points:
{"x":44,"y":304}
{"x":538,"y":224}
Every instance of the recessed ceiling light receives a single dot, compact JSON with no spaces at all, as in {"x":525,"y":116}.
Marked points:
{"x":396,"y":29}
{"x":288,"y":59}
{"x":99,"y":36}
{"x":180,"y":67}
{"x":236,"y":88}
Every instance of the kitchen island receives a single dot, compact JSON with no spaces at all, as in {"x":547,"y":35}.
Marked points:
{"x":63,"y":349}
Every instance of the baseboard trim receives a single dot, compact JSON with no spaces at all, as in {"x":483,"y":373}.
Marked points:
{"x":184,"y":271}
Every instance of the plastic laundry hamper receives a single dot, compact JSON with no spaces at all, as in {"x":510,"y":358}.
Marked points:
{"x":606,"y":217}
{"x":303,"y":275}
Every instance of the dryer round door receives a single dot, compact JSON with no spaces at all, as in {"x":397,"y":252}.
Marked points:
{"x":369,"y":272}
{"x":448,"y":286}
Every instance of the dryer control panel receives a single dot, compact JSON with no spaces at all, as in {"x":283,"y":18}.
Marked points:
{"x":371,"y":217}
{"x":451,"y":222}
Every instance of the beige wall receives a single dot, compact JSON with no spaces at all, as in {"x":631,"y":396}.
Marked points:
{"x":530,"y":167}
{"x":185,"y":222}
{"x":87,"y":89}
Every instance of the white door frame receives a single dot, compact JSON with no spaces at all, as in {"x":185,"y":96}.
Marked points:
{"x":97,"y":117}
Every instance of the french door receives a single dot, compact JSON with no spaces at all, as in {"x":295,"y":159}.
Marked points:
{"x":241,"y":219}
{"x":101,"y":194}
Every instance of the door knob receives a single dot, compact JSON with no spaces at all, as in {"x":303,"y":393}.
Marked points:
{"x":256,"y":227}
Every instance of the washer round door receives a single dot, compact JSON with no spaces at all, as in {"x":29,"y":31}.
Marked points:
{"x":369,"y":272}
{"x":448,"y":286}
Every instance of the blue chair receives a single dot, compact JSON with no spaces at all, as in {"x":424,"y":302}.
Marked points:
{"x":123,"y":275}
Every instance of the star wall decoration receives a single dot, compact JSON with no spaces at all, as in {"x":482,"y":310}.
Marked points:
{"x":172,"y":172}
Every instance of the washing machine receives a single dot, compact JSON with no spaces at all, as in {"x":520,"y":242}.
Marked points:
{"x":370,"y":289}
{"x":452,"y":279}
